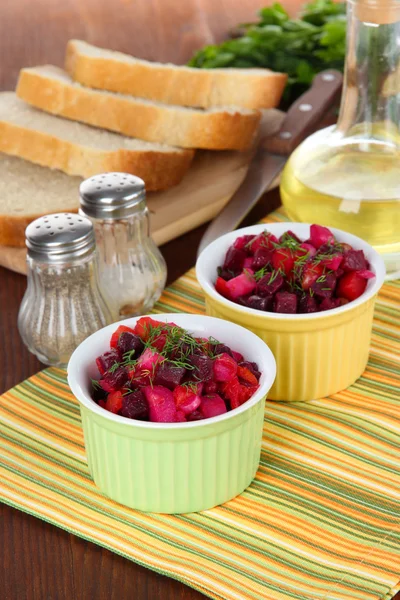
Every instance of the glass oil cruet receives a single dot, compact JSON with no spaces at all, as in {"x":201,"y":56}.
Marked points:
{"x":348,"y":176}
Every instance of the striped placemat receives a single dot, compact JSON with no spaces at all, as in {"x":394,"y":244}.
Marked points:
{"x":320,"y":521}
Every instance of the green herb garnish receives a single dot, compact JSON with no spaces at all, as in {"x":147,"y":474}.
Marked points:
{"x":300,"y":47}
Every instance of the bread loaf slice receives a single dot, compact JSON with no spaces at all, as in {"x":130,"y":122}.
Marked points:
{"x":79,"y":149}
{"x":172,"y":84}
{"x":28,"y":191}
{"x":52,"y":90}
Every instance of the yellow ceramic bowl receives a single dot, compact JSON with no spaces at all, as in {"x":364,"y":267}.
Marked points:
{"x":317,"y":354}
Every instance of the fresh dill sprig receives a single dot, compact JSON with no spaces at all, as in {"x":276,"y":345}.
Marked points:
{"x":260,"y":273}
{"x":96,"y":384}
{"x":114,"y":367}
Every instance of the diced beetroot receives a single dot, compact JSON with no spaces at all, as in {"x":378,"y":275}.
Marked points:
{"x":212,"y":406}
{"x":309,"y":248}
{"x":107,"y":360}
{"x":231,"y":391}
{"x":226,"y":275}
{"x":237,"y":356}
{"x":114,"y":402}
{"x":262,"y":258}
{"x":159,"y":342}
{"x":190,"y":404}
{"x":283,"y":259}
{"x":241,"y":285}
{"x":111,"y":382}
{"x":289,"y":235}
{"x":203,"y":366}
{"x":320,"y":236}
{"x":145,"y":325}
{"x":180,"y":416}
{"x":146,"y":366}
{"x":98,"y":393}
{"x":354,"y":260}
{"x":161,"y":404}
{"x":221,"y":287}
{"x":285,"y":302}
{"x":329,"y":303}
{"x":307,"y":304}
{"x":102,"y":403}
{"x":135,"y":406}
{"x":248,"y":263}
{"x":269,"y":284}
{"x":325,"y":285}
{"x":234,"y":259}
{"x":169,"y":375}
{"x":351,"y":286}
{"x":243,"y":241}
{"x":117,"y":333}
{"x":260,"y":303}
{"x":210,"y":387}
{"x":225,"y":368}
{"x":246,"y":392}
{"x":149,"y":359}
{"x":195,"y":416}
{"x":366,"y":274}
{"x":221,"y":348}
{"x":246,"y":375}
{"x":333,"y":262}
{"x":183,"y":393}
{"x":263,"y":240}
{"x":253,"y":367}
{"x":310,"y":274}
{"x":129,"y":341}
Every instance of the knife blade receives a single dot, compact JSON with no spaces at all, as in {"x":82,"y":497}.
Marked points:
{"x":272,"y":152}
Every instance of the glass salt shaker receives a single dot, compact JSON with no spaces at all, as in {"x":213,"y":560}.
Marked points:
{"x":132,"y":269}
{"x":62,"y":304}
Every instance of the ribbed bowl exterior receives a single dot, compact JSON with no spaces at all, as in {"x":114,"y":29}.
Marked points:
{"x":173,"y":467}
{"x":175,"y":470}
{"x":315,"y":358}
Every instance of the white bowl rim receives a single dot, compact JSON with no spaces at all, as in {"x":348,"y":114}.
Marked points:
{"x":266,"y":358}
{"x":206,"y":279}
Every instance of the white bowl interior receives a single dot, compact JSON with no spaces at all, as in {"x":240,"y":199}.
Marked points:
{"x":213,"y":256}
{"x":82,"y":364}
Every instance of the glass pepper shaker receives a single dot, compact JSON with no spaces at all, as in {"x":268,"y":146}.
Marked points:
{"x":132,"y":269}
{"x":62,"y":304}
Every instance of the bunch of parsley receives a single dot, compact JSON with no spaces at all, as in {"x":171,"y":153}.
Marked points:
{"x":300,"y":47}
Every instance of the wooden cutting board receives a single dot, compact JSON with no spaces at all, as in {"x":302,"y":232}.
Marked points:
{"x":211,"y":181}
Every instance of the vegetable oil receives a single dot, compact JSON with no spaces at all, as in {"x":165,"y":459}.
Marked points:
{"x":348,"y":176}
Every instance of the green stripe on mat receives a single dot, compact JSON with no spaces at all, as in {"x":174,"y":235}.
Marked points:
{"x":320,"y":521}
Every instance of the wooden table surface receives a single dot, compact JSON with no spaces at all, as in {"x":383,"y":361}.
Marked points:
{"x":37,"y":560}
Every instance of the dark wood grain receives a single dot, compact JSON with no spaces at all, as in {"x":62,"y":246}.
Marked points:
{"x":38,"y":561}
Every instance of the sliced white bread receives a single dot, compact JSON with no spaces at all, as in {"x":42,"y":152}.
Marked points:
{"x":79,"y":149}
{"x":172,"y":84}
{"x":28,"y":191}
{"x":52,"y":90}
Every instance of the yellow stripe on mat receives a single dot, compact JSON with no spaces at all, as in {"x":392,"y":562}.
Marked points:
{"x":320,"y":521}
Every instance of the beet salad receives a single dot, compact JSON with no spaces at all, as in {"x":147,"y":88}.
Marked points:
{"x":289,"y":275}
{"x":160,"y":372}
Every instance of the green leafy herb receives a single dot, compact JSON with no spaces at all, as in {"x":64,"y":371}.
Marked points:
{"x":300,"y":47}
{"x":321,"y":279}
{"x":96,"y":384}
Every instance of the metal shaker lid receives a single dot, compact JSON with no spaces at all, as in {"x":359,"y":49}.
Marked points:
{"x":60,"y":238}
{"x":112,"y":196}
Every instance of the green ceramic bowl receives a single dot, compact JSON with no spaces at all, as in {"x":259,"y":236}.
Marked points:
{"x":173,"y":467}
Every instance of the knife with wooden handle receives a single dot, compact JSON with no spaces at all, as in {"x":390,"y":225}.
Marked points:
{"x":272,"y":153}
